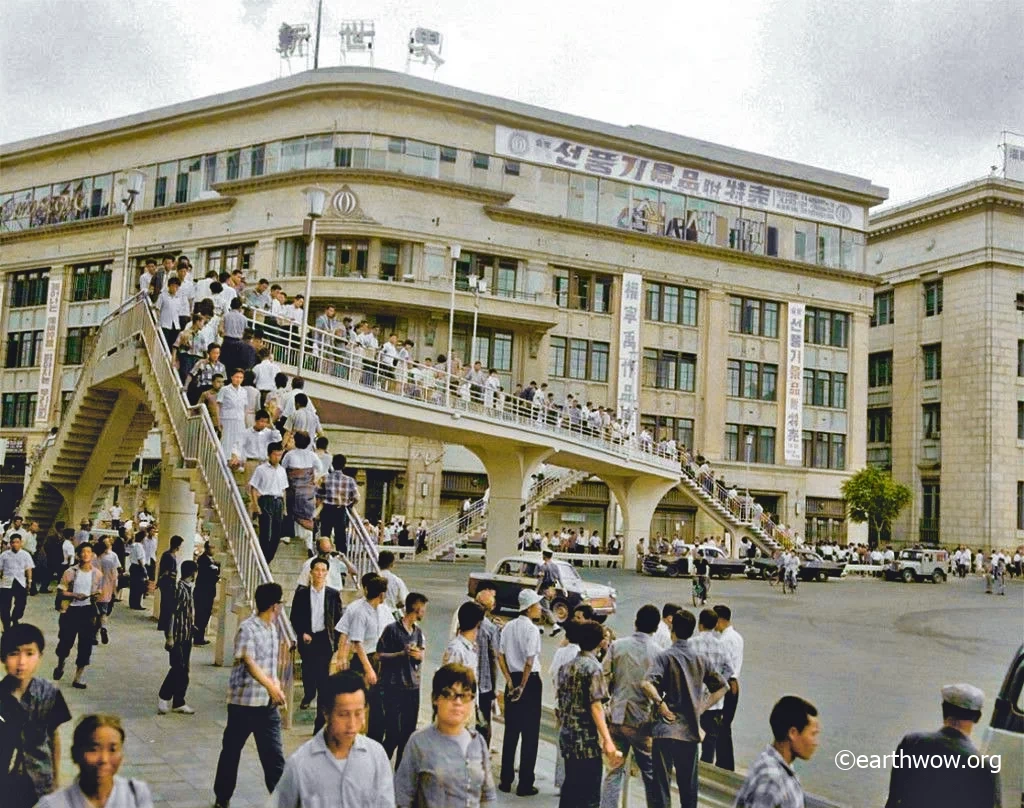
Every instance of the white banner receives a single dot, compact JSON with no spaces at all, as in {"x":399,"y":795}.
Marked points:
{"x":628,"y":386}
{"x":795,"y":384}
{"x":551,"y":150}
{"x":49,"y":357}
{"x":1013,"y":161}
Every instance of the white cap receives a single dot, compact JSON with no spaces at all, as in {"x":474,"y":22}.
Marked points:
{"x":527,"y":598}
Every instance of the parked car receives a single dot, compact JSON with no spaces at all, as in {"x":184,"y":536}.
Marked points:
{"x":515,"y":573}
{"x":1004,"y":735}
{"x":812,"y":567}
{"x":719,"y":564}
{"x":919,"y":565}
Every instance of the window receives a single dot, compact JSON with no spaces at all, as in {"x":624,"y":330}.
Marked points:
{"x":29,"y":288}
{"x":505,"y":278}
{"x":1020,"y":420}
{"x":931,"y":511}
{"x":19,"y":410}
{"x":826,"y":327}
{"x":92,"y":282}
{"x":512,"y":168}
{"x":584,"y":291}
{"x":880,"y":425}
{"x":389,"y":256}
{"x":670,"y":304}
{"x":932,"y":361}
{"x":556,"y":357}
{"x":884,"y":309}
{"x":932,"y":298}
{"x":762,"y":443}
{"x":663,"y":427}
{"x":257,"y":160}
{"x":824,"y":450}
{"x":481,"y":161}
{"x":578,"y":359}
{"x":751,"y":380}
{"x":189,"y":184}
{"x":291,"y":257}
{"x":583,"y":196}
{"x":493,"y":350}
{"x":24,"y":348}
{"x":599,"y":361}
{"x":823,"y":388}
{"x":750,"y":316}
{"x":74,"y":345}
{"x":1020,"y":505}
{"x":1020,"y":358}
{"x":669,"y":370}
{"x":344,"y":258}
{"x":448,"y":154}
{"x":1020,"y":301}
{"x":931,"y":421}
{"x":880,"y":369}
{"x":229,"y":258}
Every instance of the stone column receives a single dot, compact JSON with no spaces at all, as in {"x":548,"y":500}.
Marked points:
{"x":638,"y":498}
{"x":176,"y":515}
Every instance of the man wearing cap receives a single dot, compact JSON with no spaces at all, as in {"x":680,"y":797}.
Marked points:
{"x":953,"y":785}
{"x":520,"y":663}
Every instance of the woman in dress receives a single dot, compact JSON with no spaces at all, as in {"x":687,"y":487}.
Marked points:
{"x":97,"y":749}
{"x":232,"y":401}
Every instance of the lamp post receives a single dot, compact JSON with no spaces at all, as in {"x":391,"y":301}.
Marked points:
{"x":748,"y":445}
{"x":315,"y":198}
{"x":479,"y":287}
{"x":134,"y":180}
{"x":456,"y":251}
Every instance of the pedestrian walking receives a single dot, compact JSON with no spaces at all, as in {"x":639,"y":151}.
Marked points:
{"x":733,"y":642}
{"x":957,"y":783}
{"x":708,"y":642}
{"x":254,"y":697}
{"x":339,"y":766}
{"x":205,"y":592}
{"x":674,"y":684}
{"x":397,"y":592}
{"x":487,"y":641}
{"x":400,"y":651}
{"x":178,"y":644}
{"x":336,"y":493}
{"x":16,"y":565}
{"x":267,"y":488}
{"x":447,"y":763}
{"x":359,"y":631}
{"x":138,"y":580}
{"x":78,"y":592}
{"x":166,"y":581}
{"x":316,"y":610}
{"x":771,"y":781}
{"x":110,"y":568}
{"x":520,"y":664}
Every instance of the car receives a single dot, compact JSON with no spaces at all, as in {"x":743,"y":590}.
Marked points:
{"x":1004,"y":735}
{"x":719,"y":564}
{"x":812,"y":567}
{"x":513,"y":574}
{"x":919,"y":565}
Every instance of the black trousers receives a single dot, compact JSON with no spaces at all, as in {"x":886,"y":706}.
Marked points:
{"x":711,"y":723}
{"x":725,"y":758}
{"x":170,"y":337}
{"x":485,"y":701}
{"x":77,"y":623}
{"x":166,"y":585}
{"x":334,"y":524}
{"x":138,"y":580}
{"x":582,"y":786}
{"x":12,"y":604}
{"x":401,"y":709}
{"x":176,"y":681}
{"x":271,"y":525}
{"x":264,"y":724}
{"x":316,"y":663}
{"x":522,"y":720}
{"x":681,"y":755}
{"x":204,"y":609}
{"x":377,"y":728}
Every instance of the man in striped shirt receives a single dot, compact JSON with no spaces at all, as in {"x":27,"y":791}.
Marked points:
{"x":178,"y":642}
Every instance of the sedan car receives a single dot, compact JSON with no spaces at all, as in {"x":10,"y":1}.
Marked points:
{"x":812,"y":567}
{"x":719,"y":564}
{"x":513,"y":574}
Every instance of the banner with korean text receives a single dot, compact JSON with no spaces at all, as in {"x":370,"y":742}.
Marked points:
{"x":555,"y":151}
{"x":1013,"y":161}
{"x":628,"y":387}
{"x":49,"y":357}
{"x":795,"y":384}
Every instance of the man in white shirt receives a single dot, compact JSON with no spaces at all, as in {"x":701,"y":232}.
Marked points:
{"x":337,"y":565}
{"x":265,"y":371}
{"x":115,"y":516}
{"x":288,"y":408}
{"x":266,"y":499}
{"x":146,"y":278}
{"x":257,"y":438}
{"x":169,"y":310}
{"x":303,"y":419}
{"x":663,"y":636}
{"x":397,"y":590}
{"x":359,"y":630}
{"x":17,"y":527}
{"x":16,"y":567}
{"x":732,"y":641}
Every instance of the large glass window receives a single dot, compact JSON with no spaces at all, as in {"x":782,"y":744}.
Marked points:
{"x":880,"y":425}
{"x":92,"y":281}
{"x":24,"y":349}
{"x":344,"y":258}
{"x":556,"y":357}
{"x":884,"y":308}
{"x":752,"y":316}
{"x":670,"y":304}
{"x":582,"y":197}
{"x":291,"y":257}
{"x":230,"y":257}
{"x":822,"y":327}
{"x":933,"y":298}
{"x":752,"y":380}
{"x":931,"y":421}
{"x":762,"y":443}
{"x":578,"y":359}
{"x":663,"y":427}
{"x":29,"y":288}
{"x":669,"y":370}
{"x":584,"y":291}
{"x":74,"y":345}
{"x":19,"y":410}
{"x":932,"y":355}
{"x":880,"y":369}
{"x":823,"y":388}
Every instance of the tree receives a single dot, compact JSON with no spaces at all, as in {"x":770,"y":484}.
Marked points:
{"x":873,"y":496}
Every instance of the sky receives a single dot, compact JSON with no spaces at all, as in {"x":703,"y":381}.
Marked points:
{"x":912,"y":94}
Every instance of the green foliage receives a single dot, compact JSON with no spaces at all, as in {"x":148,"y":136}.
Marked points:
{"x":873,"y":496}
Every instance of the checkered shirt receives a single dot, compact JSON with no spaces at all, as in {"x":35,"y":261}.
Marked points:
{"x":259,"y":642}
{"x":770,"y":783}
{"x":338,"y":489}
{"x":488,"y":636}
{"x":710,"y":646}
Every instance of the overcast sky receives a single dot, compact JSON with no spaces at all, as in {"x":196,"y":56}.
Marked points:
{"x":912,"y":94}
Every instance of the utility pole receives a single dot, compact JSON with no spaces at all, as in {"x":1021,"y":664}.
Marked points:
{"x":316,"y":44}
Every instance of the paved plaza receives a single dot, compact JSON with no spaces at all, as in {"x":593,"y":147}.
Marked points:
{"x":871,"y":655}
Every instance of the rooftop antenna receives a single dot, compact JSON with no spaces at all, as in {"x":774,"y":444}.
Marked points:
{"x":425,"y":45}
{"x":357,"y":36}
{"x":292,"y":43}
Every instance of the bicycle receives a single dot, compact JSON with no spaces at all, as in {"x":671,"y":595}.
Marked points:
{"x":699,"y":591}
{"x":789,"y":581}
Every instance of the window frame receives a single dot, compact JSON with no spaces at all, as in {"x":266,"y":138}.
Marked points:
{"x":933,"y":298}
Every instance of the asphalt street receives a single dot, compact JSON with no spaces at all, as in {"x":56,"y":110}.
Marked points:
{"x":871,"y":655}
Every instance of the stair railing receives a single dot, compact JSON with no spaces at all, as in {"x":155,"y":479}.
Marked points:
{"x":362,"y":548}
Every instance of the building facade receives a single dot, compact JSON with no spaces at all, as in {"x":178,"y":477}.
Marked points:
{"x":712,"y":294}
{"x":946,"y":369}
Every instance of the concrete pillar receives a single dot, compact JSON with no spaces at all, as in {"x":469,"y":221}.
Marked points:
{"x":508,"y":475}
{"x":176,"y":515}
{"x":638,"y":499}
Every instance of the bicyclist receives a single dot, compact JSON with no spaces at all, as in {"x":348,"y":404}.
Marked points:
{"x":700,"y":569}
{"x":791,"y":565}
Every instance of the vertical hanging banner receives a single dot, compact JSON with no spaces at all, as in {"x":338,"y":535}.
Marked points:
{"x":1013,"y":161}
{"x":795,"y":383}
{"x":49,"y":357}
{"x":628,"y":387}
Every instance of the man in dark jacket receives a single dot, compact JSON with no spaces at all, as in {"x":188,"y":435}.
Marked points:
{"x":960,"y":784}
{"x":316,"y":610}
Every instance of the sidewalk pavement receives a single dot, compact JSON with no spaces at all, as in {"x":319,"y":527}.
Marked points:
{"x":177,"y":754}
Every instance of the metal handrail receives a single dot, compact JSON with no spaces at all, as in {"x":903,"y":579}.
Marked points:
{"x":362,"y":549}
{"x":436,"y":391}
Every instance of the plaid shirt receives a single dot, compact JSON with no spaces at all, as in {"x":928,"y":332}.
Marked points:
{"x":487,"y":639}
{"x":709,"y":645}
{"x":338,"y":489}
{"x":184,"y":617}
{"x":259,"y":642}
{"x":770,"y":783}
{"x":204,"y":371}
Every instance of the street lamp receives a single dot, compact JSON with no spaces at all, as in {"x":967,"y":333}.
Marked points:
{"x":456,"y":251}
{"x":749,"y":445}
{"x":133,"y":182}
{"x":479,"y":287}
{"x":315,"y":198}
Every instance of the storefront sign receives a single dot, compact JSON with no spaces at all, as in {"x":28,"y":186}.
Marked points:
{"x":551,"y":150}
{"x":628,"y":386}
{"x":49,"y":358}
{"x":795,"y":384}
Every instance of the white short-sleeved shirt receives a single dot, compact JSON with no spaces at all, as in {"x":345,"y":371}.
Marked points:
{"x":269,"y":481}
{"x":520,"y":641}
{"x":13,"y":566}
{"x":265,"y":372}
{"x":397,"y":590}
{"x":362,"y":623}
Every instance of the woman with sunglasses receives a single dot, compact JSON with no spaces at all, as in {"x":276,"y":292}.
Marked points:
{"x":447,"y":763}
